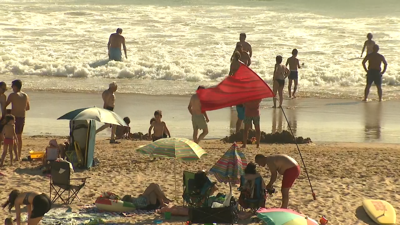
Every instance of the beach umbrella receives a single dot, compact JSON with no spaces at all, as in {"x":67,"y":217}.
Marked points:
{"x":275,"y":216}
{"x":181,"y":149}
{"x":94,"y":113}
{"x":230,"y":166}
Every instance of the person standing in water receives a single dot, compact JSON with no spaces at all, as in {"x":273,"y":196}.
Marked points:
{"x":369,"y":44}
{"x":109,"y":104}
{"x":246,"y":46}
{"x":294,"y":64}
{"x":114,"y":46}
{"x":374,"y":71}
{"x":280,"y":74}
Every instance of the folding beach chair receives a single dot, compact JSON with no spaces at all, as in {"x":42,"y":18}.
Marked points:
{"x":252,"y":199}
{"x":193,"y":197}
{"x":60,"y":182}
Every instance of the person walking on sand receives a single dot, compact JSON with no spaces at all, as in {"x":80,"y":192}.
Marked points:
{"x":20,"y":104}
{"x":374,"y":71}
{"x":246,"y":46}
{"x":252,"y":115}
{"x":280,"y":74}
{"x":114,"y":46}
{"x":294,"y":64}
{"x":109,"y":104}
{"x":284,"y":165}
{"x":199,"y":119}
{"x":369,"y":44}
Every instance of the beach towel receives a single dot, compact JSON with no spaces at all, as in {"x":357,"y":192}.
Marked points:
{"x":245,"y":85}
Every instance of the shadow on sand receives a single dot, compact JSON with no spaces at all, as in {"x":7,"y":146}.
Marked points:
{"x":363,"y":216}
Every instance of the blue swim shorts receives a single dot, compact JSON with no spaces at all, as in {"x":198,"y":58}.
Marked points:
{"x":294,"y":75}
{"x":115,"y":54}
{"x":240,"y":112}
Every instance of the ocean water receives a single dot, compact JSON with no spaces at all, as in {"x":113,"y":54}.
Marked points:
{"x":175,"y":45}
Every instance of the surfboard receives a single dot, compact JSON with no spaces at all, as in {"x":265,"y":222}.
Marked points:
{"x":379,"y":211}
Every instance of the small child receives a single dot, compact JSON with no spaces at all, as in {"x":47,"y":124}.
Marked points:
{"x":123,"y":132}
{"x":160,"y":127}
{"x":9,"y":137}
{"x":369,"y":44}
{"x":294,"y":64}
{"x":280,"y":74}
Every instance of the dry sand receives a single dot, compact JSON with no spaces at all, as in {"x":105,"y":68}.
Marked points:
{"x":341,"y":174}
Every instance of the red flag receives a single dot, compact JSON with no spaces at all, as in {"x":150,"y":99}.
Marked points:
{"x":245,"y":85}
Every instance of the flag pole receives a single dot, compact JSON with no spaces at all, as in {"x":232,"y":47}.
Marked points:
{"x":298,"y":149}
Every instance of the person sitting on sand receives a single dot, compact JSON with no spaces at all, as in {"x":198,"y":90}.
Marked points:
{"x":280,"y":74}
{"x":123,"y":132}
{"x":199,"y":118}
{"x":159,"y":127}
{"x":152,"y":198}
{"x":369,"y":44}
{"x":10,"y":138}
{"x":37,"y":204}
{"x":284,"y":165}
{"x":252,"y":114}
{"x":151,"y":122}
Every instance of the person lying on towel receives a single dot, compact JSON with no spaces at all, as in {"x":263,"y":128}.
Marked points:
{"x":152,"y":198}
{"x":284,"y":165}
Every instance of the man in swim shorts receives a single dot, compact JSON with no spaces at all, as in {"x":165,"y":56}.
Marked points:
{"x":284,"y":165}
{"x":374,"y":71}
{"x":294,"y":64}
{"x":199,"y":118}
{"x":114,"y":46}
{"x":109,"y":104}
{"x":20,"y":104}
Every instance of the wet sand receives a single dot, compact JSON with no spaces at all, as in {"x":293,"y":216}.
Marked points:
{"x":323,"y":120}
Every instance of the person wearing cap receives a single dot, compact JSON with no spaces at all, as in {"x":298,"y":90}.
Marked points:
{"x":114,"y":46}
{"x":109,"y":104}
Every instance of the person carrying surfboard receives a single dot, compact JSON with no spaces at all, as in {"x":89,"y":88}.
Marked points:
{"x":284,"y":165}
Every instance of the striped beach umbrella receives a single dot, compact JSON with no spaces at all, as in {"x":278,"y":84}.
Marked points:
{"x":179,"y":148}
{"x":280,"y":216}
{"x":230,"y":166}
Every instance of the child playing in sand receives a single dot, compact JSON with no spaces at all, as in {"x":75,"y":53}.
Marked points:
{"x":10,"y":137}
{"x":294,"y":64}
{"x":369,"y":44}
{"x":280,"y":74}
{"x":123,"y":132}
{"x":159,"y":127}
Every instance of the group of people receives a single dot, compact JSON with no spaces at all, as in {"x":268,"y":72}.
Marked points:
{"x":12,"y":121}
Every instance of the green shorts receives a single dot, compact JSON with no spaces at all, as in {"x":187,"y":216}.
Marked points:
{"x":254,"y":119}
{"x":199,"y":122}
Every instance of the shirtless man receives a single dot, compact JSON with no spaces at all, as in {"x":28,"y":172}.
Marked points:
{"x":160,"y":127}
{"x":284,"y":165}
{"x":235,"y":63}
{"x":109,"y":103}
{"x":294,"y":64}
{"x":114,"y":46}
{"x":246,"y":45}
{"x":3,"y":111}
{"x":20,"y":104}
{"x":374,"y":71}
{"x":199,"y":119}
{"x":369,"y":44}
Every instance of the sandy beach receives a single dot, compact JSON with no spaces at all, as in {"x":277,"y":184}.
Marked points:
{"x":342,"y":174}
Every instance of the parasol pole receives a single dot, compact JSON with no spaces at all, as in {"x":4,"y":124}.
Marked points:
{"x":298,"y":149}
{"x":176,"y":197}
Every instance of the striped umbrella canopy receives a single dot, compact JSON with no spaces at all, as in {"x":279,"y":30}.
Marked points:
{"x":94,"y":113}
{"x":280,"y":216}
{"x":179,"y":148}
{"x":230,"y":166}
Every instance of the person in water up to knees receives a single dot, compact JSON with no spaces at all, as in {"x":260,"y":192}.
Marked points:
{"x":199,"y":119}
{"x":159,"y":127}
{"x":284,"y":165}
{"x":114,"y":46}
{"x":369,"y":44}
{"x":280,"y":74}
{"x":20,"y":104}
{"x":9,"y":136}
{"x":294,"y":64}
{"x":109,"y":104}
{"x":374,"y":71}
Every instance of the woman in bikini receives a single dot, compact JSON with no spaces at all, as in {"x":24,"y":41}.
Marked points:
{"x":37,"y":205}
